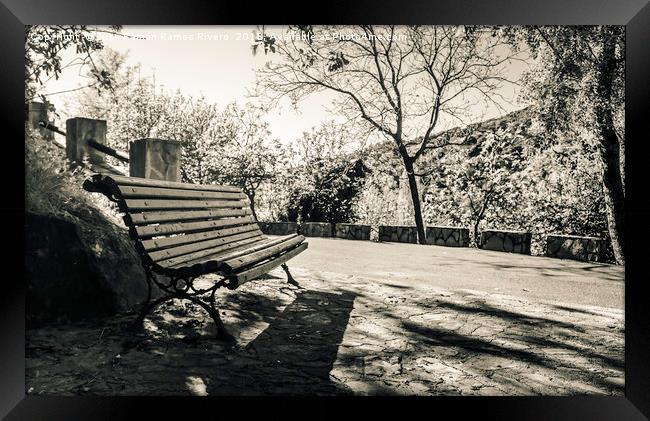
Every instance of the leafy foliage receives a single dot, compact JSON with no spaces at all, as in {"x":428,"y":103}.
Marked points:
{"x":325,"y":179}
{"x":43,"y":47}
{"x":332,"y":197}
{"x":481,"y":177}
{"x":249,"y":157}
{"x":578,"y":84}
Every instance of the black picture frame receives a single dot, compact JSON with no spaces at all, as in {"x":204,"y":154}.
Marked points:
{"x":14,"y":14}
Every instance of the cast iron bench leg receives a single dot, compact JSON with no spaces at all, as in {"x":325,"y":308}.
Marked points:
{"x":147,"y":307}
{"x":210,"y":308}
{"x":290,"y":279}
{"x":213,"y":311}
{"x":222,"y":333}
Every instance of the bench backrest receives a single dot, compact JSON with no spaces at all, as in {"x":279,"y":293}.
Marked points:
{"x":175,"y":222}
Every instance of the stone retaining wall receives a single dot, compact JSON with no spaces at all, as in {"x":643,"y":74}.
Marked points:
{"x":558,"y":246}
{"x":316,"y":229}
{"x":398,"y":234}
{"x":352,"y":232}
{"x":507,"y":241}
{"x":588,"y":249}
{"x":278,"y":228}
{"x":448,"y":236}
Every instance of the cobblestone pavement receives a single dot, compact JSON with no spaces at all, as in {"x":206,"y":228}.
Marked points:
{"x":339,"y":334}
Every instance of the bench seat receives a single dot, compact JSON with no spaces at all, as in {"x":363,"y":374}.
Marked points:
{"x":183,"y":231}
{"x":188,"y":230}
{"x":242,"y":263}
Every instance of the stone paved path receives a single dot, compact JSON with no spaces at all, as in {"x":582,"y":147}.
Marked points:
{"x":340,"y":334}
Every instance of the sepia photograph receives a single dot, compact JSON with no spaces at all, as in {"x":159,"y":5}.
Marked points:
{"x":325,"y":210}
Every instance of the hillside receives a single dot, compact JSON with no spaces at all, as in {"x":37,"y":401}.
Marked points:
{"x":507,"y":173}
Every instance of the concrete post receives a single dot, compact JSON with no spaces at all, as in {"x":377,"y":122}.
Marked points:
{"x":36,"y":112}
{"x":158,"y":159}
{"x":78,"y":131}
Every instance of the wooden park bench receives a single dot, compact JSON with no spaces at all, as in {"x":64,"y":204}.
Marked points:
{"x":183,"y":231}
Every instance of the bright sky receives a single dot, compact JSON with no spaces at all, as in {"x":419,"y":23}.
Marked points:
{"x":217,"y":62}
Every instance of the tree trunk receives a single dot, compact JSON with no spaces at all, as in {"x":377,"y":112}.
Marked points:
{"x":481,"y":214}
{"x":415,"y":198}
{"x":251,"y":197}
{"x":613,"y":192}
{"x":610,"y":154}
{"x":477,"y":222}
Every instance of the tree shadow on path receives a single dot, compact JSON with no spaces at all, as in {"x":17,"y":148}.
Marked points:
{"x":532,"y":340}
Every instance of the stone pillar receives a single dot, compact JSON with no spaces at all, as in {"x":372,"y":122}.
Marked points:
{"x":158,"y":159}
{"x":78,"y":131}
{"x":36,"y":112}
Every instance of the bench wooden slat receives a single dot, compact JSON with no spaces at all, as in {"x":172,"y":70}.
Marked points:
{"x":175,"y":228}
{"x":159,"y":243}
{"x":159,"y":193}
{"x":185,"y":229}
{"x":188,"y":215}
{"x":265,"y":267}
{"x":233,"y":264}
{"x":147,"y":182}
{"x":171,"y":252}
{"x":150,"y":204}
{"x":270,"y":244}
{"x":184,"y":258}
{"x":266,"y":243}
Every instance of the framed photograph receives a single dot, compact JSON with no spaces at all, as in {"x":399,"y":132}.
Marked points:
{"x":402,"y":206}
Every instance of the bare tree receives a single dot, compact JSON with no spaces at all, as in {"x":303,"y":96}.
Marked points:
{"x":403,"y":82}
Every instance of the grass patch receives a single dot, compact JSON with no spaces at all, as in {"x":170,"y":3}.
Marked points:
{"x":52,"y":187}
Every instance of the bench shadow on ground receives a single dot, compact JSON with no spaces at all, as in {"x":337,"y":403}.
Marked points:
{"x":293,"y":355}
